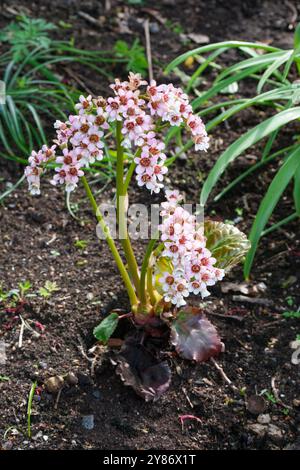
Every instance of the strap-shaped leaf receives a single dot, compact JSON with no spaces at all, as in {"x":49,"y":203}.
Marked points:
{"x":194,"y":336}
{"x":243,"y":143}
{"x":273,"y":68}
{"x":296,"y":192}
{"x":226,"y":242}
{"x":272,"y":196}
{"x":211,"y":47}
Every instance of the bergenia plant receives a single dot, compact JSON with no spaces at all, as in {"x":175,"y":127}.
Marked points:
{"x":186,"y":256}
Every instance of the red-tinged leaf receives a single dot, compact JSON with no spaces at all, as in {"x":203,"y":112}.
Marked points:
{"x":194,"y":336}
{"x":139,"y":366}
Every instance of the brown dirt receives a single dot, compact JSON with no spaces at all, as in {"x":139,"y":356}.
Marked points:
{"x":37,"y":244}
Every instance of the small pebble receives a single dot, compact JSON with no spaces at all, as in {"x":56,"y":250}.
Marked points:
{"x":54,"y":384}
{"x":96,"y":394}
{"x":275,"y":433}
{"x":264,"y":419}
{"x":256,"y":404}
{"x":71,"y":379}
{"x":7,"y":445}
{"x":88,"y":422}
{"x":84,"y":379}
{"x":258,"y":429}
{"x":154,"y":28}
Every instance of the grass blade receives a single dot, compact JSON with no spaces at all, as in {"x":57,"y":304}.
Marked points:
{"x":29,"y":407}
{"x":37,"y":121}
{"x":12,"y":188}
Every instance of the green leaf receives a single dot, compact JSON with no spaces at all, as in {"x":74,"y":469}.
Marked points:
{"x":243,"y":143}
{"x":296,"y":192}
{"x":282,"y":93}
{"x":51,"y":286}
{"x":261,"y":60}
{"x":226,"y":242}
{"x":48,"y":289}
{"x":275,"y":190}
{"x":273,"y":67}
{"x":4,"y":378}
{"x":24,"y":287}
{"x":297,"y":37}
{"x":223,"y":84}
{"x":44,"y":292}
{"x":105,"y":329}
{"x":212,"y":47}
{"x":291,"y":314}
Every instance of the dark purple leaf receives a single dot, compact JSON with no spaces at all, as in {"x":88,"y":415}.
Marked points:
{"x":139,"y":366}
{"x":194,"y":336}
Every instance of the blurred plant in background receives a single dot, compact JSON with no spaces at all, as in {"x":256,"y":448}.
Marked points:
{"x":32,"y":68}
{"x":135,"y":55}
{"x":273,"y":69}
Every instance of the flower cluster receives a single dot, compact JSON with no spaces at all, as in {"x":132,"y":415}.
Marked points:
{"x":141,"y":117}
{"x":34,"y":170}
{"x":138,"y":130}
{"x":185,"y":247}
{"x":172,"y":105}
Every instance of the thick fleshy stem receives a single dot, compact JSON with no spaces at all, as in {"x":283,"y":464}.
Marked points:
{"x":121,"y":212}
{"x":143,"y":293}
{"x":131,"y":293}
{"x":154,"y":296}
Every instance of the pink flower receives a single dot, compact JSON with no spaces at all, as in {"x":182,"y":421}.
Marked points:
{"x":33,"y":178}
{"x":84,"y":105}
{"x":135,"y":81}
{"x":113,"y":109}
{"x":69,"y":171}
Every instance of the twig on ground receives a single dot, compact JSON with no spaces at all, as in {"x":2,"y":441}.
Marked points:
{"x":223,"y":375}
{"x":57,"y":398}
{"x":20,"y":343}
{"x":276,"y":394}
{"x":25,"y":324}
{"x":227,"y":317}
{"x":187,"y":397}
{"x":78,"y":80}
{"x":80,"y":348}
{"x":89,"y":18}
{"x":252,"y":300}
{"x":148,"y":49}
{"x":293,"y":9}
